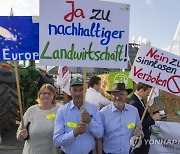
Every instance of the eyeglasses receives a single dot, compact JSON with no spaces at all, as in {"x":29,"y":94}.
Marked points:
{"x":46,"y":93}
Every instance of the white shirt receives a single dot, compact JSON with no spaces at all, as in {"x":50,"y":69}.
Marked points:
{"x":96,"y":98}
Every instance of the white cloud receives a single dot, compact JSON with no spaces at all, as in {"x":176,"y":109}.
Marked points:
{"x":20,"y":7}
{"x":149,"y":2}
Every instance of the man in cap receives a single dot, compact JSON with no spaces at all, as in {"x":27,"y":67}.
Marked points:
{"x":137,"y":99}
{"x":120,"y":122}
{"x":76,"y":128}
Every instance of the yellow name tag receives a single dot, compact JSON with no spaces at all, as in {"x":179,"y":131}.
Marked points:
{"x":131,"y":125}
{"x":50,"y":116}
{"x":72,"y":124}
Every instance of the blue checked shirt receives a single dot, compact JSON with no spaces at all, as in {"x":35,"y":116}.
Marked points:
{"x":67,"y":118}
{"x":118,"y":128}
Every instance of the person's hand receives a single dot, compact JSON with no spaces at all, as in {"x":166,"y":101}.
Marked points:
{"x":138,"y":132}
{"x":85,"y":117}
{"x":156,"y":116}
{"x":80,"y":129}
{"x":22,"y":134}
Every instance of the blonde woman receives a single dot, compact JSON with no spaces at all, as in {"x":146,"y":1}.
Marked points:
{"x":39,"y":123}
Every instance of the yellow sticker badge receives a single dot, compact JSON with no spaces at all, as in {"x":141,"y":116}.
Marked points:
{"x":72,"y":124}
{"x":131,"y":125}
{"x":50,"y":116}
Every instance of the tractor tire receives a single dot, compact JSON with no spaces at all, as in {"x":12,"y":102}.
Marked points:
{"x":9,"y":109}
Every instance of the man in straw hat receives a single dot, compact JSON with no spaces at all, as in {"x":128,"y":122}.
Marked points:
{"x":75,"y":127}
{"x":137,"y":99}
{"x":120,"y":122}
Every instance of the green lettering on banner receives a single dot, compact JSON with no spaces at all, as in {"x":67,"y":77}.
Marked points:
{"x":55,"y":54}
{"x":92,"y":55}
{"x":90,"y":52}
{"x":44,"y":52}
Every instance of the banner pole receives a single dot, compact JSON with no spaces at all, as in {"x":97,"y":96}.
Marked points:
{"x":84,"y":87}
{"x":147,"y":105}
{"x":18,"y":86}
{"x":19,"y":94}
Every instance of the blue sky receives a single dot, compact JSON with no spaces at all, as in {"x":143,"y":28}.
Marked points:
{"x":156,"y":20}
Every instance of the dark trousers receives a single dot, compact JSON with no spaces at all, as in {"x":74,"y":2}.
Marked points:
{"x":91,"y":152}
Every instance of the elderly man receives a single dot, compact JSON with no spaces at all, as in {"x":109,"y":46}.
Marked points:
{"x":120,"y":122}
{"x":76,"y":128}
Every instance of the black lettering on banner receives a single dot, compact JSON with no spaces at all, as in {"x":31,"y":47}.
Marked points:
{"x":100,"y":15}
{"x":175,"y":62}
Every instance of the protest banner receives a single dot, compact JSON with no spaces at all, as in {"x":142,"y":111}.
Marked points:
{"x":157,"y":68}
{"x":19,"y":38}
{"x":63,"y":79}
{"x":84,"y":33}
{"x":165,"y":138}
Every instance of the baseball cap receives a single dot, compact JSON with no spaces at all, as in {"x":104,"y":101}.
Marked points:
{"x":76,"y":80}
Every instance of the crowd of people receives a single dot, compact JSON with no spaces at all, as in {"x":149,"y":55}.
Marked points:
{"x":96,"y":125}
